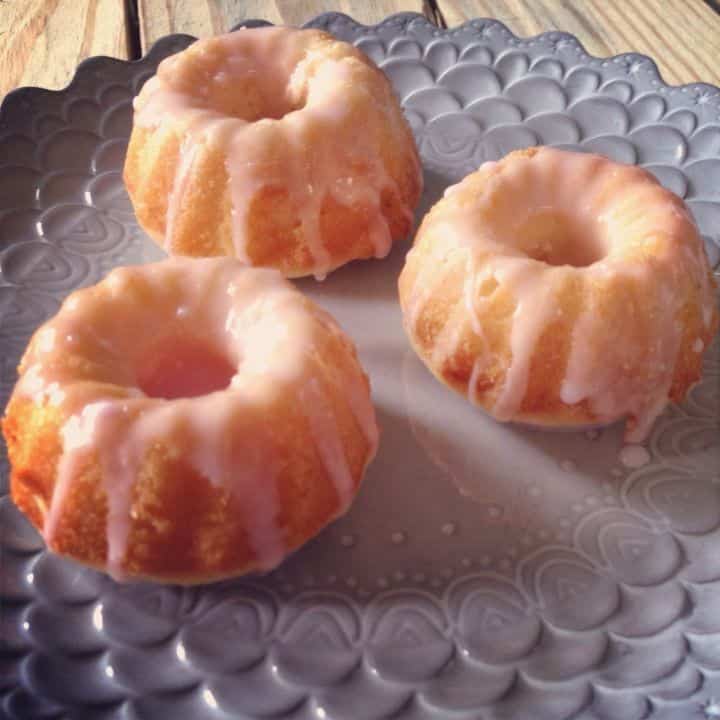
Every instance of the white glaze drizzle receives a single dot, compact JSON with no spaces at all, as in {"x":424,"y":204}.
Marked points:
{"x":611,"y":391}
{"x":324,"y":428}
{"x":600,"y":195}
{"x":261,"y":323}
{"x":534,"y":288}
{"x":247,"y":468}
{"x":180,"y":184}
{"x":363,"y":412}
{"x":299,"y":151}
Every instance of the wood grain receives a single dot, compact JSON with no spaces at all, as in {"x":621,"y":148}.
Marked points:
{"x":42,"y":41}
{"x":682,"y":36}
{"x":207,"y":17}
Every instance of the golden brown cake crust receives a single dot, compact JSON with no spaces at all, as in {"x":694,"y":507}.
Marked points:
{"x":477,"y":271}
{"x":349,"y":174}
{"x":184,"y":526}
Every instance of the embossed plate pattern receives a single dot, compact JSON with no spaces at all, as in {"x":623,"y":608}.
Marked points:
{"x":485,"y":571}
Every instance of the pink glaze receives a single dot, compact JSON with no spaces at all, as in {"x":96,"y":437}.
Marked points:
{"x":183,"y":367}
{"x":188,"y":154}
{"x":327,"y":439}
{"x":284,"y":129}
{"x":533,"y":289}
{"x":137,"y":337}
{"x":514,"y":227}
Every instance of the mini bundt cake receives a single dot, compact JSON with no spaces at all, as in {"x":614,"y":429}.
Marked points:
{"x":285,"y":148}
{"x":186,"y":421}
{"x":558,"y":288}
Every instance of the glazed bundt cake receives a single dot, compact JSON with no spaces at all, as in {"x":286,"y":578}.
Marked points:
{"x":559,"y":288}
{"x":187,"y":420}
{"x":284,"y":148}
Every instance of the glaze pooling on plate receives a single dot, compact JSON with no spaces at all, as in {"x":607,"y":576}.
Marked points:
{"x":571,"y":585}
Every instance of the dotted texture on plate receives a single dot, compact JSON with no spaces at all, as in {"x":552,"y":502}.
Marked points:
{"x":485,"y":571}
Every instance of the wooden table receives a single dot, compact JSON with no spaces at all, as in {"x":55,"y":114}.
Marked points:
{"x":42,"y":41}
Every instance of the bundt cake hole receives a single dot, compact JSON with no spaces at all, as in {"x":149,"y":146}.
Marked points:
{"x":252,"y":89}
{"x":252,"y":103}
{"x":556,"y":238}
{"x":182,"y":366}
{"x":488,"y":287}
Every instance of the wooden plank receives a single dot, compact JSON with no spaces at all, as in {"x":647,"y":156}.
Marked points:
{"x":42,"y":41}
{"x":682,"y":36}
{"x":208,"y":17}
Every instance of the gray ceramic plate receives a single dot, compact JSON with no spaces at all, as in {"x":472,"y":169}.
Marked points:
{"x":485,"y":571}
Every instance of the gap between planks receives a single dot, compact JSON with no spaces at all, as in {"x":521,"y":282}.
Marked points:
{"x":430,"y":10}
